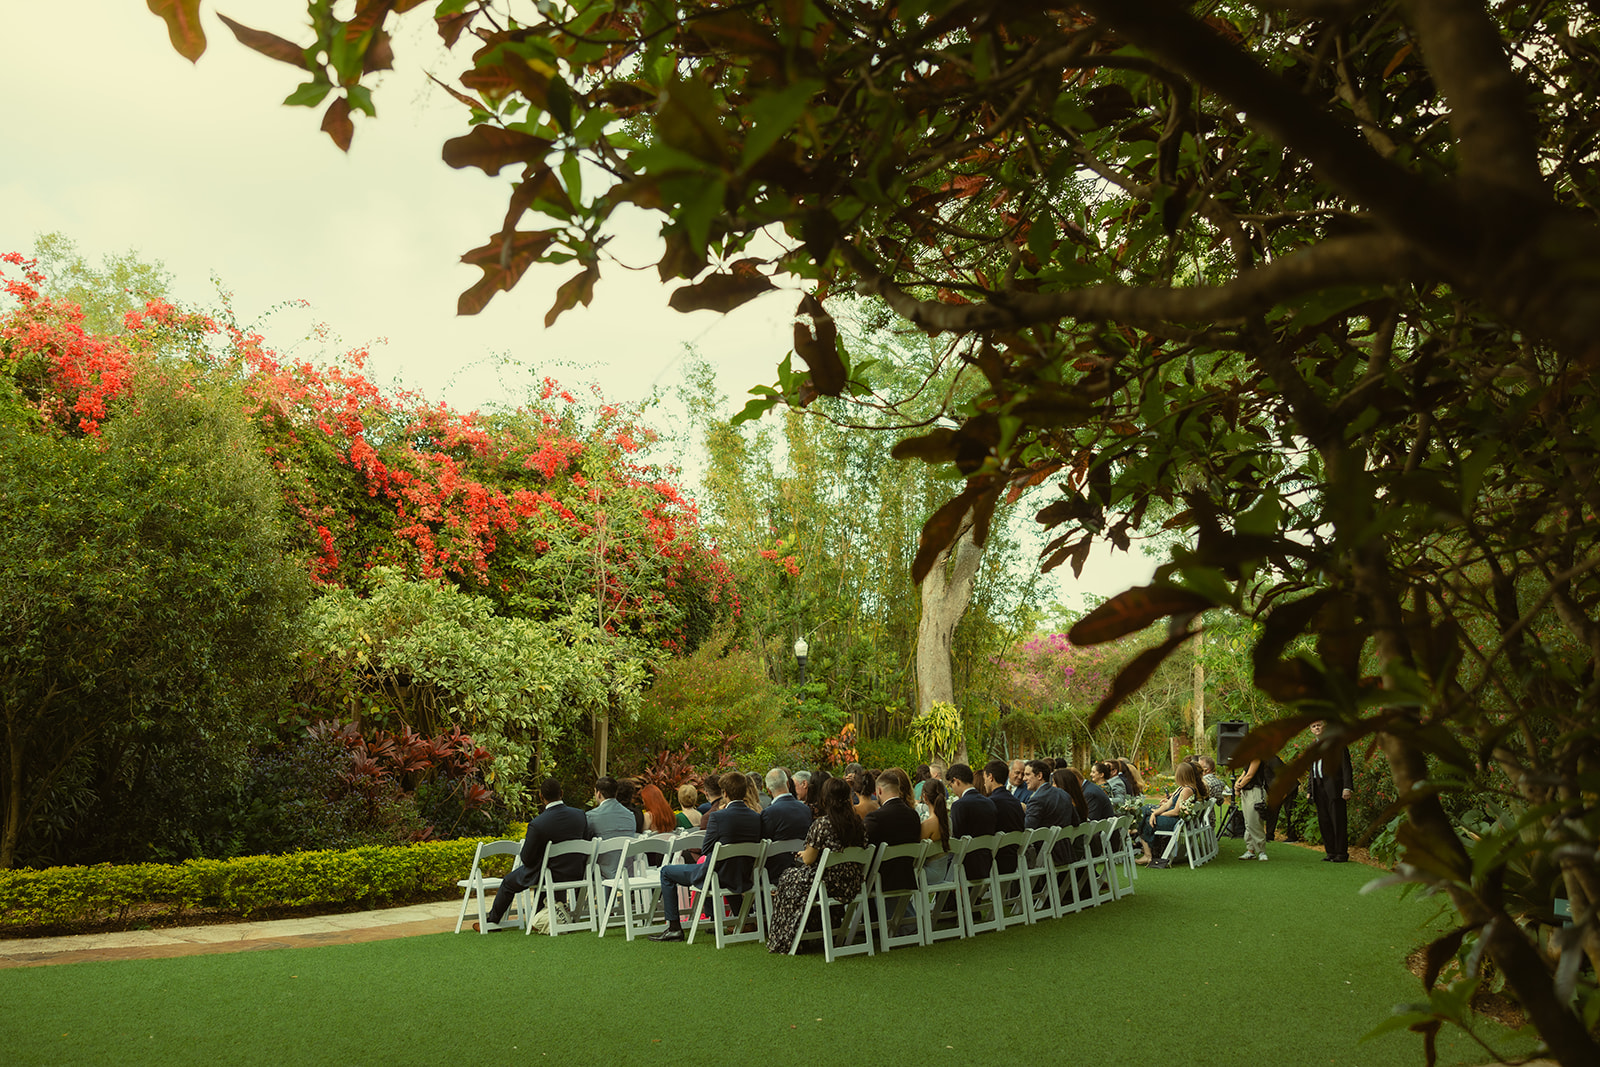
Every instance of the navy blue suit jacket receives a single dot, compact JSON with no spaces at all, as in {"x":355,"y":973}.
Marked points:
{"x":735,"y":824}
{"x":895,"y":823}
{"x":972,"y":815}
{"x":1051,"y":806}
{"x":1008,"y":816}
{"x":557,"y":823}
{"x":785,"y":819}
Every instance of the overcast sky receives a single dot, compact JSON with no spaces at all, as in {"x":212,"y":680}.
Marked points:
{"x":115,"y":140}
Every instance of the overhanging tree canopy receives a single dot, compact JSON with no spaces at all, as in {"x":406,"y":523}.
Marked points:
{"x":1317,"y":275}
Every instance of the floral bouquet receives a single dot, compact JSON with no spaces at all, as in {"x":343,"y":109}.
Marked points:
{"x":1189,"y":810}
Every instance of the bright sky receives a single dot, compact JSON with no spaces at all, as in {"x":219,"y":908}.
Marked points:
{"x":115,"y":140}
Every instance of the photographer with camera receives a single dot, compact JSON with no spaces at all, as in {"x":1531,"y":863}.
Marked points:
{"x":1251,"y":790}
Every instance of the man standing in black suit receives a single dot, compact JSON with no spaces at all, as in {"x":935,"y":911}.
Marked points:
{"x":894,"y":823}
{"x":1009,"y":813}
{"x":735,"y":824}
{"x":1332,"y":785}
{"x":557,"y":823}
{"x":972,"y":815}
{"x":1048,"y":805}
{"x":785,"y":819}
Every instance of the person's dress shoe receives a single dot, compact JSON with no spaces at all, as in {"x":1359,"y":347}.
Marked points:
{"x":1341,"y":859}
{"x":492,"y":928}
{"x":1327,"y":859}
{"x":668,"y":935}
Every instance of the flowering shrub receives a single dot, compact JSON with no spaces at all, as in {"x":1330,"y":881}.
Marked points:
{"x":841,"y":750}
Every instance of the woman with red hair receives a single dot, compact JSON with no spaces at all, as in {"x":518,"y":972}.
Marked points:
{"x":658,"y":817}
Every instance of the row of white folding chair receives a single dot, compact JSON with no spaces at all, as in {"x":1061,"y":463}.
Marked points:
{"x":1196,"y":838}
{"x":477,"y":885}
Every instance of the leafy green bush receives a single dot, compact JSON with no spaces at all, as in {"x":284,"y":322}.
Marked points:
{"x":717,"y":698}
{"x":75,"y":896}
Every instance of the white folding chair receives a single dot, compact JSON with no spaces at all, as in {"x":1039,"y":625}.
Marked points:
{"x":714,"y":895}
{"x":1040,"y":895}
{"x":978,"y":899}
{"x":1190,"y":838}
{"x":933,"y":894}
{"x":838,"y":939}
{"x":575,"y":896}
{"x":477,"y":885}
{"x":765,"y":883}
{"x":637,"y":886}
{"x":1125,"y":872}
{"x":891,"y":920}
{"x":1075,"y":886}
{"x":1011,"y":887}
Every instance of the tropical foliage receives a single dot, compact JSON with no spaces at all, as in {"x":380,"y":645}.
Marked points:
{"x":1318,"y":279}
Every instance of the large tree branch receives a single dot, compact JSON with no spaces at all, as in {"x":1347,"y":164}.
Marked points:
{"x":1402,"y":200}
{"x":1464,"y":52}
{"x":1370,"y":259}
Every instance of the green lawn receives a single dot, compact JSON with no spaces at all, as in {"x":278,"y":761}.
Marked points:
{"x":1283,"y":962}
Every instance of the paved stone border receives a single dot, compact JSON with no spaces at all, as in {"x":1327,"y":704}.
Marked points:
{"x":345,"y":929}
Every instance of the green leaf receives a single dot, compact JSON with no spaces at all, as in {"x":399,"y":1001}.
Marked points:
{"x":310,"y":94}
{"x":773,"y":115}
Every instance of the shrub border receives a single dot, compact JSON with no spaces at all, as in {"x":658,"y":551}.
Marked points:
{"x":371,"y":875}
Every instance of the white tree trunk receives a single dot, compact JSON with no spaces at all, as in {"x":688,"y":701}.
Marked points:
{"x":946,"y":591}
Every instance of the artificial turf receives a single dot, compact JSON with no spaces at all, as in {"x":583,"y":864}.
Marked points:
{"x":1283,"y":962}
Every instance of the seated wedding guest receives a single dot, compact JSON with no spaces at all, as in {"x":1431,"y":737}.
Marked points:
{"x":866,"y":800}
{"x":735,"y":824}
{"x":936,"y":828}
{"x":758,"y":799}
{"x":918,"y":776}
{"x":1164,"y":816}
{"x":1216,"y":787}
{"x":838,"y":827}
{"x":785,"y":819}
{"x":1106,"y":777}
{"x":1019,"y":785}
{"x":711,"y":786}
{"x":555,"y":824}
{"x":971,"y":815}
{"x":689,"y":818}
{"x":628,"y":797}
{"x":1067,"y":780}
{"x":819,"y":781}
{"x":1048,"y":806}
{"x":608,"y":818}
{"x":658,"y":817}
{"x":802,"y":787}
{"x":1133,"y":785}
{"x":894,"y":823}
{"x":1009,"y":813}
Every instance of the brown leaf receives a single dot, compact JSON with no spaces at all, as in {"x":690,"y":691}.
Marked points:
{"x":503,"y":264}
{"x":820,"y":350}
{"x":1133,"y":610}
{"x":579,"y":288}
{"x":268,"y":44}
{"x":683,"y":258}
{"x":450,"y":26}
{"x":337,"y":125}
{"x":1268,"y":738}
{"x":183,"y":26}
{"x":1398,"y":58}
{"x":1442,"y":950}
{"x":1134,"y":675}
{"x":738,"y":33}
{"x":940,"y":532}
{"x":379,"y":54}
{"x":938,"y":445}
{"x":719,"y":292}
{"x":491,"y":148}
{"x":460,"y":96}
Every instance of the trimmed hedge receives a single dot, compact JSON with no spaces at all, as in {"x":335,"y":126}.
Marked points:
{"x":75,"y":896}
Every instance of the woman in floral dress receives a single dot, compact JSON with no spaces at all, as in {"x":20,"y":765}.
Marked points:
{"x":838,"y":827}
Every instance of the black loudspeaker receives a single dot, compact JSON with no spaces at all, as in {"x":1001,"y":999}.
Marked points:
{"x":1229,"y":734}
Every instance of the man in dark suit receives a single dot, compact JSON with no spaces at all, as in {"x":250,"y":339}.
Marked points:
{"x":1009,"y":813}
{"x":785,"y":819}
{"x":894,"y":823}
{"x":557,"y":823}
{"x":1048,"y":805}
{"x":1019,"y":781}
{"x":971,"y":815}
{"x":1332,"y":785}
{"x":735,"y":824}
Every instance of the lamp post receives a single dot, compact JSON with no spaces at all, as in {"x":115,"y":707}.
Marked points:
{"x":800,"y":650}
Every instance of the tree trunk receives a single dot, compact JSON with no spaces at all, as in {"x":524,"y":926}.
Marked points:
{"x":1200,"y":694}
{"x":946,"y":591}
